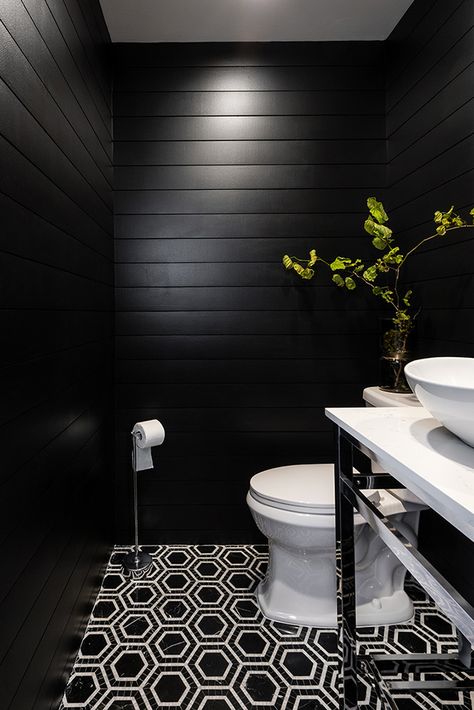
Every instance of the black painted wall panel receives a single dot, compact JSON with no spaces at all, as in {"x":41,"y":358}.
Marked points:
{"x":258,"y":152}
{"x":309,"y":371}
{"x":226,"y":157}
{"x":246,"y":77}
{"x":233,"y":128}
{"x":235,"y":201}
{"x":185,"y":250}
{"x":57,"y":347}
{"x":245,"y":103}
{"x":287,"y":54}
{"x":247,"y":226}
{"x":228,"y":177}
{"x":29,"y":38}
{"x":191,"y":323}
{"x":430,"y":116}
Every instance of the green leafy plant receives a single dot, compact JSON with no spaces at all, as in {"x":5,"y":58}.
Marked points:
{"x":382,"y":276}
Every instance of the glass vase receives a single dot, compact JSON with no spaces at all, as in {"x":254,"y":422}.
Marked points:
{"x":394,"y":357}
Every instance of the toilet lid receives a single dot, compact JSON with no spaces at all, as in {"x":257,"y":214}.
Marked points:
{"x":305,"y":487}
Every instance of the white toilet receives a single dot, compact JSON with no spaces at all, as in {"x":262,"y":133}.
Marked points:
{"x":293,"y":506}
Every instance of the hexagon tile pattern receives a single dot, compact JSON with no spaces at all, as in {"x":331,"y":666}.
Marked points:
{"x":188,"y":634}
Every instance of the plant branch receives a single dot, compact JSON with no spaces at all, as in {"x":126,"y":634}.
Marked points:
{"x":347,"y":271}
{"x":433,"y":236}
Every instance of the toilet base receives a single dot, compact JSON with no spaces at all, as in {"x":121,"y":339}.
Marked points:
{"x":299,"y":587}
{"x":396,"y":609}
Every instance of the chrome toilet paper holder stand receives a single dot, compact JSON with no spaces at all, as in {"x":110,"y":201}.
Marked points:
{"x":136,"y":560}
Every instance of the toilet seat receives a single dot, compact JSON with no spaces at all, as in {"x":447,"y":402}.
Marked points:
{"x":309,"y":488}
{"x":302,"y":488}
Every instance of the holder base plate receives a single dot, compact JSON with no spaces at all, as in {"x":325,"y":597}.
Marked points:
{"x":137,"y":560}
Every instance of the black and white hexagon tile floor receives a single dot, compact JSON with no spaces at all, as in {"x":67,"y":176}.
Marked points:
{"x":189,"y":635}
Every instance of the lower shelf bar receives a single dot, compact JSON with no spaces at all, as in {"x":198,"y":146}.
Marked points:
{"x":429,"y":685}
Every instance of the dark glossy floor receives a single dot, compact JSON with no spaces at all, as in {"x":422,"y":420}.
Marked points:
{"x":189,"y":635}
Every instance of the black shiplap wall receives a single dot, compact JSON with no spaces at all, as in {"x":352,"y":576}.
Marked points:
{"x":56,"y":324}
{"x":430,"y":117}
{"x":226,"y":157}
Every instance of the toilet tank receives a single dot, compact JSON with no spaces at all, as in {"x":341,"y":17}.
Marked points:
{"x":375,"y":397}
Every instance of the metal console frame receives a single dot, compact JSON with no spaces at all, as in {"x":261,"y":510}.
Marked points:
{"x":349,"y":496}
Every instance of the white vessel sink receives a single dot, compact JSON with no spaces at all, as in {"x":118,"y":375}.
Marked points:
{"x":445,"y":387}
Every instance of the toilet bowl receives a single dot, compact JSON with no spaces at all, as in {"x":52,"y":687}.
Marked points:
{"x":293,"y":506}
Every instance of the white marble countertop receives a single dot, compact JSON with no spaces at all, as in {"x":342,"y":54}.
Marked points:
{"x":420,"y":453}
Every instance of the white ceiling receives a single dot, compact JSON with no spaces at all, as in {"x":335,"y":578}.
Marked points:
{"x":251,"y":20}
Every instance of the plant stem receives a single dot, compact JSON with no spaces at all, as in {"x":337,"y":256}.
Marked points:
{"x":432,"y":236}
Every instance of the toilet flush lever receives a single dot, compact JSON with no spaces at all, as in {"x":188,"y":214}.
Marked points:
{"x":374,"y":497}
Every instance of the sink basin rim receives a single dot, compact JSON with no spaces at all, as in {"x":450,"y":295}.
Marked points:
{"x":434,"y":382}
{"x":451,"y":404}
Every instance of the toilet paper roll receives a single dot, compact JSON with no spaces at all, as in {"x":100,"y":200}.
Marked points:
{"x":147,"y":434}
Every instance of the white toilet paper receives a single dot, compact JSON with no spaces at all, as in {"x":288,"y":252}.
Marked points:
{"x":147,"y":434}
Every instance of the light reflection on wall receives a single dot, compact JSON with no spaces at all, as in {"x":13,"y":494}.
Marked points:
{"x":233,"y":103}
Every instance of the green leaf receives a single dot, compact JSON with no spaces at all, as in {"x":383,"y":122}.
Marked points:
{"x":303,"y":272}
{"x":377,"y":230}
{"x":387,"y":295}
{"x":384,"y":292}
{"x":377,"y":210}
{"x":339,"y":263}
{"x":370,"y":274}
{"x":338,"y":280}
{"x":402,"y":316}
{"x":381,"y":233}
{"x":350,"y":283}
{"x":379,"y":243}
{"x":406,"y":297}
{"x":312,"y":257}
{"x":393,"y":256}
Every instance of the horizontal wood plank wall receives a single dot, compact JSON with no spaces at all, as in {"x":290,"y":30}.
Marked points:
{"x":57,"y":345}
{"x":430,"y":119}
{"x":226,"y":157}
